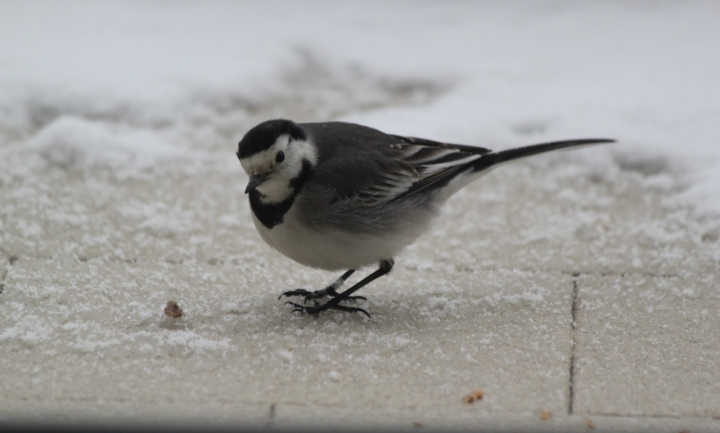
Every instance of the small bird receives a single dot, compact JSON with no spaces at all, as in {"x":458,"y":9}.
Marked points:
{"x":341,"y":196}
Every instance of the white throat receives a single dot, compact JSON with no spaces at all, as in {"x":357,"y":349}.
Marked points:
{"x":277,"y":186}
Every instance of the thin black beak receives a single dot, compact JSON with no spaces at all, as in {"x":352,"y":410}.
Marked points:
{"x":255,"y":180}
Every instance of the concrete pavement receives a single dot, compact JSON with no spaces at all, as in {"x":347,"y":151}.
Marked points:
{"x":574,"y":301}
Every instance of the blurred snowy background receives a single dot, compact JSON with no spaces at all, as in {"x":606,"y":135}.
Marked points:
{"x":139,"y":87}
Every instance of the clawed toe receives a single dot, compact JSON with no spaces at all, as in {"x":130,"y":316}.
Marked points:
{"x":318,"y":294}
{"x":296,"y":292}
{"x":298,"y":307}
{"x":327,"y":306}
{"x":350,"y":309}
{"x":303,"y":308}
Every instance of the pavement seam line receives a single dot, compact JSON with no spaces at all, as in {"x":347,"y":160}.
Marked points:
{"x":271,"y":414}
{"x":573,"y":329}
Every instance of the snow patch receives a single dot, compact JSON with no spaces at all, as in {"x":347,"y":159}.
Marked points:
{"x":30,"y":329}
{"x":72,"y":142}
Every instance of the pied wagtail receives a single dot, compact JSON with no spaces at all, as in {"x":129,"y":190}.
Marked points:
{"x":340,"y":196}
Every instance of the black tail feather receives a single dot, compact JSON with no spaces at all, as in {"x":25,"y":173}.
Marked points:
{"x":521,"y":152}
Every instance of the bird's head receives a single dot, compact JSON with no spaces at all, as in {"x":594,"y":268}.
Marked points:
{"x":274,"y":154}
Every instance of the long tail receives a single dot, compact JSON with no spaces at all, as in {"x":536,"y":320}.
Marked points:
{"x":449,"y":181}
{"x":495,"y":158}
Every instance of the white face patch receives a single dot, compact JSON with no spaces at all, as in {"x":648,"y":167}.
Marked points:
{"x":276,"y":186}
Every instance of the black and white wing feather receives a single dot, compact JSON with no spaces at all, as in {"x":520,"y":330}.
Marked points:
{"x":419,"y":163}
{"x":373,"y":168}
{"x":437,"y":162}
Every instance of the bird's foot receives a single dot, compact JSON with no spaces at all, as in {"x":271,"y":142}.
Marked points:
{"x":318,"y":294}
{"x":330,"y":305}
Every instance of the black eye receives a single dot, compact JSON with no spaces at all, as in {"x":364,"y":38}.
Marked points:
{"x":280,"y":157}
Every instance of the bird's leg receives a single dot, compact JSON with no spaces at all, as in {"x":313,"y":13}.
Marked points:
{"x":330,"y":290}
{"x":334,"y":303}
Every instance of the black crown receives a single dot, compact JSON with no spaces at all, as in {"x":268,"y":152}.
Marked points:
{"x":262,"y":136}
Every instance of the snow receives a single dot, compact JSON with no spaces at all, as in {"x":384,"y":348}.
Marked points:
{"x":130,"y":85}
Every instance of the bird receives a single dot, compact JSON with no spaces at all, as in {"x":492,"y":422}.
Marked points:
{"x":341,"y":196}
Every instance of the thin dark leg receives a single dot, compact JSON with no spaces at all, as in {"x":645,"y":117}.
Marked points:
{"x":334,"y":303}
{"x":330,"y":290}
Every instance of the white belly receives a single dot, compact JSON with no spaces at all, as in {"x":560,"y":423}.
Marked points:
{"x":332,"y":249}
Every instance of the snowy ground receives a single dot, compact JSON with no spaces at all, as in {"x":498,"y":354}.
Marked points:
{"x":583,"y":284}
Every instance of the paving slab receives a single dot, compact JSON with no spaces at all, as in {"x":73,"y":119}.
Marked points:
{"x":647,"y":346}
{"x":94,"y":331}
